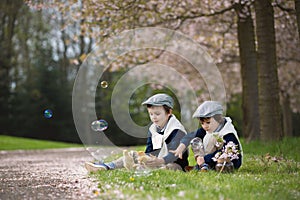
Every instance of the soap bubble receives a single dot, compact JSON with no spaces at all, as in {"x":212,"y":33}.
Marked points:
{"x":104,"y":84}
{"x":196,"y":143}
{"x":48,"y":113}
{"x":99,"y":125}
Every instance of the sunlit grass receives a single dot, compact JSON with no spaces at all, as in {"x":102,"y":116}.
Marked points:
{"x":270,"y":171}
{"x":14,"y":143}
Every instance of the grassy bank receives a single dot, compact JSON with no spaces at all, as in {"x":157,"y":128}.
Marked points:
{"x":270,"y":171}
{"x":14,"y":143}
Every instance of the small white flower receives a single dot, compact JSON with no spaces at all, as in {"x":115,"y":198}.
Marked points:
{"x":229,"y":151}
{"x":181,"y":193}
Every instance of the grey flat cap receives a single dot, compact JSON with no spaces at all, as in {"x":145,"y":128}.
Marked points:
{"x":159,"y":100}
{"x":208,"y":109}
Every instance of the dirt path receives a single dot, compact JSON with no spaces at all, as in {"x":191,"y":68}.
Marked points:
{"x":46,"y":174}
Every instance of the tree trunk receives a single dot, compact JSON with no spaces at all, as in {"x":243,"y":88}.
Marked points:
{"x":297,"y":8}
{"x":248,"y":72}
{"x":268,"y":88}
{"x":8,"y":15}
{"x":287,"y":116}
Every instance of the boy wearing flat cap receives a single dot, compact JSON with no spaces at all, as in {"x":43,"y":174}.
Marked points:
{"x":164,"y":134}
{"x":203,"y":141}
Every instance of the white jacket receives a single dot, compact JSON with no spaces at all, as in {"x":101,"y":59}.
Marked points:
{"x":159,"y":141}
{"x":228,"y":128}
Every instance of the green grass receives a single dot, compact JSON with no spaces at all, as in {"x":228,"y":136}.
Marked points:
{"x":260,"y":177}
{"x":14,"y":143}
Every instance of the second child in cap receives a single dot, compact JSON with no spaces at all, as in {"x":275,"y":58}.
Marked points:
{"x":204,"y":140}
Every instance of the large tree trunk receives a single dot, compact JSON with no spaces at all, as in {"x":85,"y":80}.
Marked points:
{"x":269,"y":106}
{"x":249,"y":73}
{"x":297,"y":8}
{"x":8,"y":15}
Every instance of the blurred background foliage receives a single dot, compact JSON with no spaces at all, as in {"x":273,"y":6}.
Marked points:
{"x":43,"y":44}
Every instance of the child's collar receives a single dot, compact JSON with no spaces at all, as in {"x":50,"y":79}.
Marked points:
{"x":158,"y":129}
{"x":221,"y":126}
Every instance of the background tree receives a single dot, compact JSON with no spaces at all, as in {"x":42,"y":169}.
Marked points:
{"x":297,"y":8}
{"x":269,"y":107}
{"x":9,"y":11}
{"x":247,"y":49}
{"x":52,"y":38}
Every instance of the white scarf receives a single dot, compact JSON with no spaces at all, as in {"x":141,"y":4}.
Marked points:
{"x":228,"y":128}
{"x":159,"y":140}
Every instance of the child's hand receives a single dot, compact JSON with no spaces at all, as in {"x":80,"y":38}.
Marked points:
{"x":219,"y":142}
{"x":200,"y":160}
{"x":154,"y":161}
{"x":179,"y":151}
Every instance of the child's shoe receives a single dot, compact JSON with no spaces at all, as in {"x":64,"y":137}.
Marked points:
{"x":203,"y":168}
{"x":94,"y":167}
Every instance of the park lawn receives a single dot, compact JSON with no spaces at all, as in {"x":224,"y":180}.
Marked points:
{"x":19,"y":143}
{"x":270,"y":171}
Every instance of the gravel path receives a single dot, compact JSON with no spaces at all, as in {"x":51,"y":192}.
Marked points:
{"x":47,"y":174}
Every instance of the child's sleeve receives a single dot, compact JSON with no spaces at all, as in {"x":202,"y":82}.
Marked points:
{"x":188,"y":137}
{"x":231,"y":137}
{"x":172,"y":142}
{"x":149,"y":146}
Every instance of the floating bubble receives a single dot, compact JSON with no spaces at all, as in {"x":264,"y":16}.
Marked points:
{"x":98,"y":156}
{"x":48,"y":113}
{"x":104,"y":84}
{"x":99,"y":125}
{"x":196,"y":143}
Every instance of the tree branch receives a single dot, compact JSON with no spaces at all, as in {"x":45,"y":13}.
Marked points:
{"x":281,"y":7}
{"x":197,"y":15}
